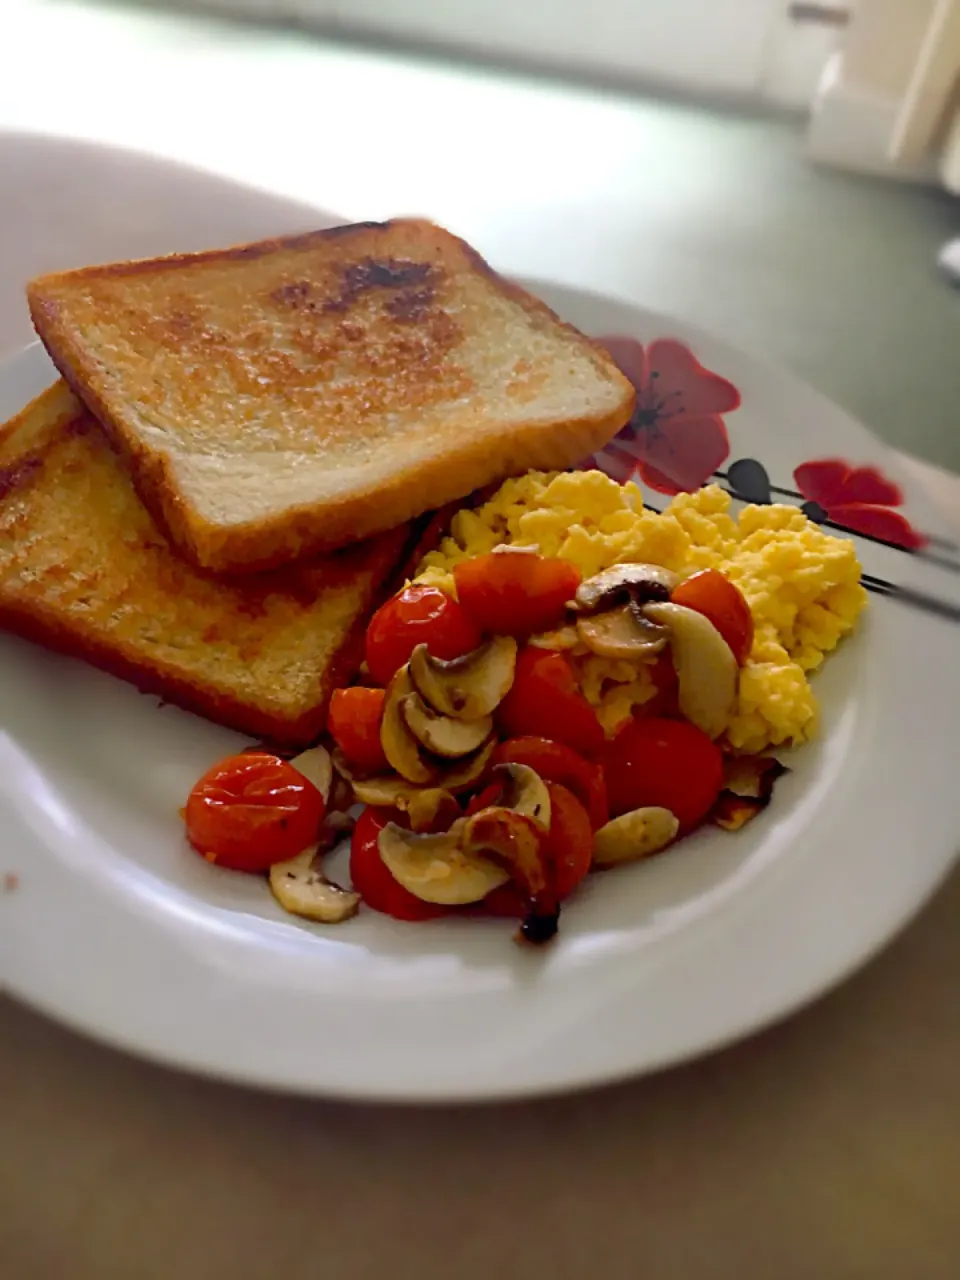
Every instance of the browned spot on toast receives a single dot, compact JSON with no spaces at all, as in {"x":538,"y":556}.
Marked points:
{"x":371,"y":274}
{"x":412,"y":305}
{"x":17,"y":475}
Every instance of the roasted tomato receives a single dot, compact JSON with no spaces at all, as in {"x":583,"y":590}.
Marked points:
{"x":354,"y":723}
{"x":515,"y":593}
{"x":668,"y":763}
{"x":545,"y":702}
{"x":371,"y":879}
{"x":566,"y":851}
{"x":417,"y":615}
{"x":569,"y":845}
{"x":715,"y":596}
{"x":252,"y":810}
{"x":555,"y":762}
{"x":665,"y":701}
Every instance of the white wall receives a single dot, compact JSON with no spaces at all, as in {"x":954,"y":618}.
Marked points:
{"x":706,"y":46}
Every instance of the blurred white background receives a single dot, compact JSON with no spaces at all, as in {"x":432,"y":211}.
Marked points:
{"x":750,"y":48}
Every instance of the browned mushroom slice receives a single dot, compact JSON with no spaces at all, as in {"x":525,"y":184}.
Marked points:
{"x":436,"y":868}
{"x":304,"y":890}
{"x":466,"y":688}
{"x":525,"y":792}
{"x":622,"y":633}
{"x":634,"y":835}
{"x":390,"y":791}
{"x":316,"y":767}
{"x":461,"y":775}
{"x":707,"y":671}
{"x":517,"y":842}
{"x":401,"y":748}
{"x":442,"y":735}
{"x":748,"y":790}
{"x":625,"y":582}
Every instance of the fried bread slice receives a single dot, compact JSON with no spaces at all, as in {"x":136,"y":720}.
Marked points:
{"x":84,"y":570}
{"x":291,"y":396}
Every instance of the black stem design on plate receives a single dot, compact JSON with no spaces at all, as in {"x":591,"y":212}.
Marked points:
{"x":877,"y":586}
{"x":919,"y":599}
{"x":748,"y":482}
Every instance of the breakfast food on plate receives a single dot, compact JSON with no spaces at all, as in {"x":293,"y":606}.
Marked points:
{"x":568,"y":682}
{"x":802,"y":586}
{"x":84,"y":569}
{"x":278,"y":399}
{"x":540,"y":679}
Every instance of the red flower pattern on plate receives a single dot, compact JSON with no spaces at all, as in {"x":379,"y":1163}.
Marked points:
{"x":676,"y":438}
{"x":860,"y":499}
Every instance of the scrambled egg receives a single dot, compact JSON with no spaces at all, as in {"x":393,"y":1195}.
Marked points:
{"x":802,"y":585}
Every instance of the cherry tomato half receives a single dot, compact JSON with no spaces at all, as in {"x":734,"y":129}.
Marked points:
{"x":354,"y":723}
{"x":506,"y":902}
{"x":568,"y":847}
{"x":484,"y":799}
{"x":567,"y":852}
{"x":252,"y":810}
{"x":665,"y":701}
{"x":544,"y":701}
{"x":515,"y":593}
{"x":555,"y":762}
{"x":669,"y":763}
{"x":417,"y":615}
{"x":715,"y":596}
{"x":371,"y":879}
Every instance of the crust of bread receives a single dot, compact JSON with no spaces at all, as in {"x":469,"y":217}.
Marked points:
{"x":397,"y":483}
{"x":52,"y":451}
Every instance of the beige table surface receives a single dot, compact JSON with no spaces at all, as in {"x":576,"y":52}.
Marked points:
{"x":828,"y":1147}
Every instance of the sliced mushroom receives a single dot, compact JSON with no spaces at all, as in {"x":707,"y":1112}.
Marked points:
{"x":468,"y":771}
{"x":336,"y":827}
{"x":423,"y":805}
{"x":752,"y":777}
{"x":747,"y":790}
{"x":399,"y":745}
{"x":442,"y":735}
{"x":622,"y":633}
{"x":466,"y":688}
{"x":634,"y":835}
{"x":707,"y":671}
{"x":304,"y":890}
{"x":342,"y":766}
{"x":517,"y":842}
{"x":316,"y":767}
{"x":624,"y":582}
{"x":514,"y":838}
{"x":387,"y":791}
{"x":525,"y":793}
{"x":429,"y":808}
{"x":435,"y":868}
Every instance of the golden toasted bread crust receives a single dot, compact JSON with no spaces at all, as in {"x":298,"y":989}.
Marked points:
{"x":406,"y":424}
{"x":84,"y":570}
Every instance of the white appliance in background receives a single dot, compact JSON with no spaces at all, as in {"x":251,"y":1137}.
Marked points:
{"x":748,"y":49}
{"x":888,"y":101}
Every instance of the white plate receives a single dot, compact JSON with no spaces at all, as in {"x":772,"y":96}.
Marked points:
{"x":118,"y":929}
